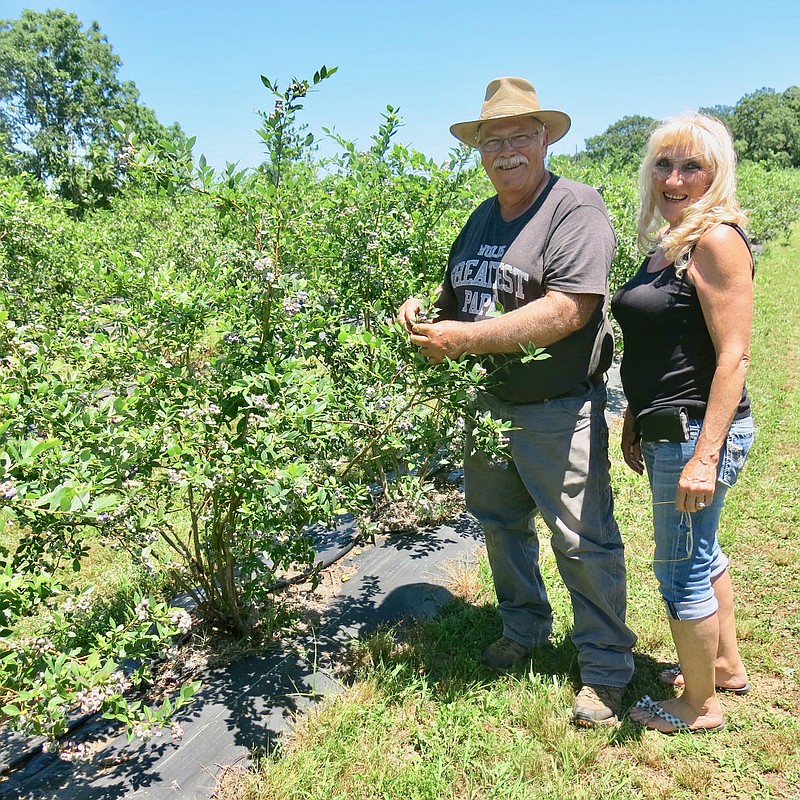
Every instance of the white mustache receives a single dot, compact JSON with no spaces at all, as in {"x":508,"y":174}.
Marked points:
{"x":508,"y":162}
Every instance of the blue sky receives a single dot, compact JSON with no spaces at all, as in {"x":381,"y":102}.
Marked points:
{"x":198,"y":63}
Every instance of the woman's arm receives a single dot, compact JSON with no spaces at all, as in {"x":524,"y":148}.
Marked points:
{"x":721,"y":271}
{"x":631,"y":447}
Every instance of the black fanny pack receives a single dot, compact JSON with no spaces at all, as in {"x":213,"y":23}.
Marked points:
{"x":663,"y":425}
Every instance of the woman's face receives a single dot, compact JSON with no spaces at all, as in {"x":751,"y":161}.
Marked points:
{"x":680,"y":178}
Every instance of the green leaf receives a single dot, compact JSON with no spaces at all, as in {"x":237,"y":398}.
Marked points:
{"x":54,"y":499}
{"x":105,"y":501}
{"x":188,"y":690}
{"x":40,"y":447}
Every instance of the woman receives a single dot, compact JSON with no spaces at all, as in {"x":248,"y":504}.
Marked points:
{"x":685,"y":319}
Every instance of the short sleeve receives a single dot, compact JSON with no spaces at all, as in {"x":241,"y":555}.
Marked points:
{"x":579,"y":252}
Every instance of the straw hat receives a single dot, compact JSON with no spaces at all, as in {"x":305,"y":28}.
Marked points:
{"x":512,"y":97}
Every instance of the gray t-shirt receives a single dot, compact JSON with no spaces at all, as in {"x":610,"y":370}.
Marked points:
{"x":564,"y":242}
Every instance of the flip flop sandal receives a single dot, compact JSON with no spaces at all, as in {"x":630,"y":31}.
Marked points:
{"x":657,"y":710}
{"x":676,"y":670}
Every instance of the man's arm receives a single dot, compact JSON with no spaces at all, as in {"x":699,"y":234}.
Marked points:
{"x":540,"y":323}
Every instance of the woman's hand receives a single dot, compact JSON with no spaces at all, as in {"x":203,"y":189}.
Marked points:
{"x":696,"y":485}
{"x":631,"y":449}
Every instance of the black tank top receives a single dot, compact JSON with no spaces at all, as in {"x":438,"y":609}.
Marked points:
{"x":668,"y":354}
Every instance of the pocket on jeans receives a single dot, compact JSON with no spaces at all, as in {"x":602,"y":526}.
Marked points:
{"x":578,"y":406}
{"x":678,"y":546}
{"x":734,"y":454}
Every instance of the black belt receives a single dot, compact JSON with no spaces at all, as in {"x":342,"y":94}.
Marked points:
{"x":580,"y":389}
{"x":576,"y":391}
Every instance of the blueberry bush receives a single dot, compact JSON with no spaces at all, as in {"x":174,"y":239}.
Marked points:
{"x":205,"y":372}
{"x":197,"y":376}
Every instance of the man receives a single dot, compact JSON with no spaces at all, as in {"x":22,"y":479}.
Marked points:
{"x":540,"y":250}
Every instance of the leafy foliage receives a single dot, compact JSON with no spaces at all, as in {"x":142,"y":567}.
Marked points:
{"x":766,"y":127}
{"x":59,"y":94}
{"x":622,"y":144}
{"x":207,"y":369}
{"x":770,"y":197}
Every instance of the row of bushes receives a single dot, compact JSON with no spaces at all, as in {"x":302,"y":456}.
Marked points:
{"x":197,"y":374}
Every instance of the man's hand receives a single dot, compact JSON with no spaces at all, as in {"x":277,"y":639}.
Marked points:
{"x":445,"y":339}
{"x":408,"y":312}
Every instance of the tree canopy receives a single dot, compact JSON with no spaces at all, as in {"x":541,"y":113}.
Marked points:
{"x":622,"y":144}
{"x":766,"y":126}
{"x":59,"y":97}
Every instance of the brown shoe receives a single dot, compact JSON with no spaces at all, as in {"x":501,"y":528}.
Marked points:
{"x":597,"y":705}
{"x":503,"y":654}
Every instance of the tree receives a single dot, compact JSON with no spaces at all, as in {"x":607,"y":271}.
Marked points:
{"x":792,"y":98}
{"x":721,"y":112}
{"x":766,"y":126}
{"x":59,"y":95}
{"x":623,"y":143}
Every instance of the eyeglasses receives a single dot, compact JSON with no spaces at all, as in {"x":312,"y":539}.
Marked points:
{"x":687,"y":168}
{"x":517,"y":141}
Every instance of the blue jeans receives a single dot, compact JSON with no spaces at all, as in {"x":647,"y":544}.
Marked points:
{"x":559,"y":468}
{"x":687,"y":554}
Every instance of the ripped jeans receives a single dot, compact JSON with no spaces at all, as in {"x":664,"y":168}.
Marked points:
{"x":687,"y":554}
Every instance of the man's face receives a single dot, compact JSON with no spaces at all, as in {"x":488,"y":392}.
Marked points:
{"x":513,"y":170}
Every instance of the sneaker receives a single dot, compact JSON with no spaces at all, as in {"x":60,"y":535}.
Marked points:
{"x":505,"y":653}
{"x":597,"y":705}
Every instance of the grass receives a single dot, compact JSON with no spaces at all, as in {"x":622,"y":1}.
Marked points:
{"x":422,"y":719}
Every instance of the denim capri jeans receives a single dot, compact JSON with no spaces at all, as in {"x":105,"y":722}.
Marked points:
{"x":687,"y":554}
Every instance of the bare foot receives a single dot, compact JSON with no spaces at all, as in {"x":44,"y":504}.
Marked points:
{"x":656,"y":716}
{"x":725,"y":682}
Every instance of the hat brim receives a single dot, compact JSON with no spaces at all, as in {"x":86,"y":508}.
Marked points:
{"x":556,"y":122}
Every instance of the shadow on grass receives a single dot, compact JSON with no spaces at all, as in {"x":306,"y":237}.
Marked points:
{"x":447,"y":649}
{"x":392,"y":610}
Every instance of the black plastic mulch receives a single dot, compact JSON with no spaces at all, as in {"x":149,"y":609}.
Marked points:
{"x":244,"y":707}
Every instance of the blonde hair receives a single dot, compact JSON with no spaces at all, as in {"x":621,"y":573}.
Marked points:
{"x":712,"y":143}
